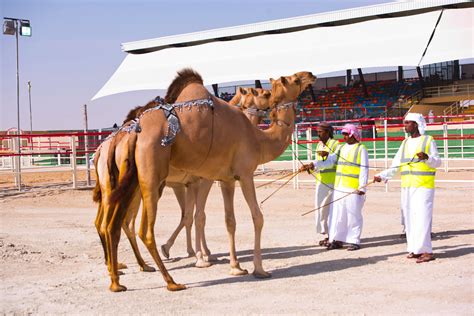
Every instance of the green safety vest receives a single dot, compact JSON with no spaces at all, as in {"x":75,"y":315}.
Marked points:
{"x":417,"y":175}
{"x":348,"y":168}
{"x":327,"y":175}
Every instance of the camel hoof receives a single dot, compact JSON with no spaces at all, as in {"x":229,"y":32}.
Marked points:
{"x":122,"y":266}
{"x":202,"y":264}
{"x":238,"y":271}
{"x":147,"y":268}
{"x":115,"y":287}
{"x":165,"y":251}
{"x":261,"y":274}
{"x":173,"y":287}
{"x":210,"y":258}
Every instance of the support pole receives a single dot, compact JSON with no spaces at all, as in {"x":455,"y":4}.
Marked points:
{"x":18,"y":139}
{"x":215,"y":88}
{"x":362,"y":81}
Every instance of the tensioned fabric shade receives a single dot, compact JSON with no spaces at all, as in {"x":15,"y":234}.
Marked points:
{"x":378,"y":43}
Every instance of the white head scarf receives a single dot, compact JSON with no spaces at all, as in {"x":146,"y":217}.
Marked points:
{"x":419,"y":119}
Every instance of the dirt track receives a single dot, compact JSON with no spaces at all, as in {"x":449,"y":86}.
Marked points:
{"x":52,"y":262}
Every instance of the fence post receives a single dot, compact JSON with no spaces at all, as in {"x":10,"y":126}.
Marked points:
{"x":86,"y":146}
{"x":375,"y":147}
{"x":16,"y":164}
{"x":462,"y":141}
{"x":294,"y":156}
{"x":309,"y":146}
{"x":73,"y":162}
{"x":446,"y":150}
{"x":385,"y":130}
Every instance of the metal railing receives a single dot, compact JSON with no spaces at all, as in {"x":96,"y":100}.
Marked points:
{"x":450,"y":90}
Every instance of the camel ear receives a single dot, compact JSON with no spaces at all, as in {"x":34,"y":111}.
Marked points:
{"x":266,"y":93}
{"x":253,"y":91}
{"x":283,"y":80}
{"x":242,"y":91}
{"x":272,"y":80}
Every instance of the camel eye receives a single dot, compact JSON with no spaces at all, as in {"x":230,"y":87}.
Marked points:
{"x":297,"y":81}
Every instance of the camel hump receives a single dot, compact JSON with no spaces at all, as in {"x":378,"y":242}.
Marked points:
{"x":132,"y":114}
{"x":184,"y":77}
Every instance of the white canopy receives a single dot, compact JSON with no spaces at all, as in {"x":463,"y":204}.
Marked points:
{"x":397,"y":41}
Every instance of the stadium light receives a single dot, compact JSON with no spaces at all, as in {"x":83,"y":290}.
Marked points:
{"x":14,"y":26}
{"x":25,"y":28}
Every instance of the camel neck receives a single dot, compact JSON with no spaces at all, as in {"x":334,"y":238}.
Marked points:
{"x":276,"y":139}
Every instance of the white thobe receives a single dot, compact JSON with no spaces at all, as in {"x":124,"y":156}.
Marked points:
{"x":345,"y":215}
{"x":417,"y":203}
{"x":322,"y":196}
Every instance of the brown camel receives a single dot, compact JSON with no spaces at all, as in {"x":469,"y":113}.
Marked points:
{"x":255,"y":104}
{"x":185,"y":187}
{"x":206,"y":147}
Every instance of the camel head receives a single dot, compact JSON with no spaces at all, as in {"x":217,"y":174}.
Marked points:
{"x":255,"y":98}
{"x":287,"y":89}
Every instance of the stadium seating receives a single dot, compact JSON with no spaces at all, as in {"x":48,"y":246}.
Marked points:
{"x":348,"y":102}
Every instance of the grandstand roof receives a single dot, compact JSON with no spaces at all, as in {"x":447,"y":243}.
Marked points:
{"x":395,"y":34}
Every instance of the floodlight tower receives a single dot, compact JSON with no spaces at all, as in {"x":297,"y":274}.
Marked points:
{"x":14,"y":26}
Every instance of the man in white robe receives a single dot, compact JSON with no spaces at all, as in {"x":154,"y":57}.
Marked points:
{"x":345,"y":213}
{"x":324,"y":180}
{"x":418,"y":159}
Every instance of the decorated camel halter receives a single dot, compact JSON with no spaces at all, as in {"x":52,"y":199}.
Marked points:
{"x":257,"y":112}
{"x":284,"y":106}
{"x":169,"y":110}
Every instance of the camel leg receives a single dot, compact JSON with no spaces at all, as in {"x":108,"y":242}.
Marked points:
{"x":203,"y":255}
{"x":129,"y":230}
{"x":186,"y":221}
{"x":98,"y":223}
{"x":113,"y":229}
{"x":204,"y":189}
{"x":150,"y":195}
{"x":228,"y":189}
{"x":248,"y":189}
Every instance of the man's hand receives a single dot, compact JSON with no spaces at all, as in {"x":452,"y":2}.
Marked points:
{"x":422,"y":156}
{"x":377,"y":179}
{"x":307,"y":167}
{"x":323,"y":154}
{"x":360,"y":192}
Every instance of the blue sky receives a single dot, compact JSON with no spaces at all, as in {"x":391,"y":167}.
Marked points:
{"x":75,"y":48}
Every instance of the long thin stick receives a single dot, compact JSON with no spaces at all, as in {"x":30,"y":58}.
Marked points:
{"x":286,"y":182}
{"x":344,"y":196}
{"x":282,"y":177}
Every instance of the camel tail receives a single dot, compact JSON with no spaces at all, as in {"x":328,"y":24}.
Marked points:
{"x":184,"y":77}
{"x":96,"y":193}
{"x":124,"y":188}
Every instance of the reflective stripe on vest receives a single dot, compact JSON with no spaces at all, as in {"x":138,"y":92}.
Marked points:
{"x":419,"y":174}
{"x":327,"y":175}
{"x":348,"y":168}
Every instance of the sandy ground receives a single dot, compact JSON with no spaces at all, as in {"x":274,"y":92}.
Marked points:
{"x":51,"y":260}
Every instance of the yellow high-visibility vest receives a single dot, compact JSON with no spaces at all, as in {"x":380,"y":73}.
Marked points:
{"x":327,"y":175}
{"x":419,"y":174}
{"x":348,"y":168}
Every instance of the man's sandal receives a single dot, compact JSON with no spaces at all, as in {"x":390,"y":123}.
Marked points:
{"x":324,"y":242}
{"x":353,"y":247}
{"x":411,"y":255}
{"x":426,"y":257}
{"x":334,"y":245}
